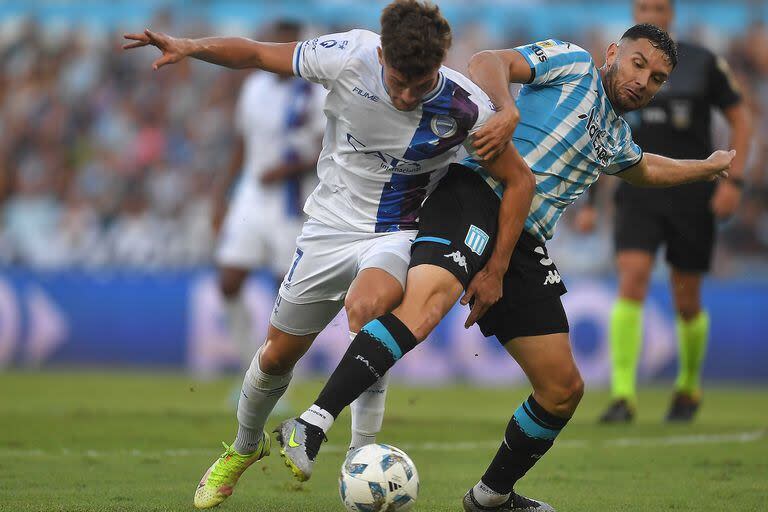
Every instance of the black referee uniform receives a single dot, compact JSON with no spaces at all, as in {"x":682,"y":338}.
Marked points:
{"x":677,"y":124}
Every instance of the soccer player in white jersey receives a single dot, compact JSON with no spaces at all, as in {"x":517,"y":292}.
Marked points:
{"x":279,"y":123}
{"x":395,"y":120}
{"x":569,"y":132}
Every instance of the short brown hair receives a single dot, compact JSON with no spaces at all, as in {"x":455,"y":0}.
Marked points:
{"x":414,"y":37}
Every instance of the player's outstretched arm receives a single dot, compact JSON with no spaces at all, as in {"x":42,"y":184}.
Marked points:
{"x":231,"y":52}
{"x":660,"y":171}
{"x":519,"y":187}
{"x":493,"y":70}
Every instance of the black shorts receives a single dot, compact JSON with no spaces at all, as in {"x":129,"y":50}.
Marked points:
{"x":688,"y":236}
{"x":457,"y":230}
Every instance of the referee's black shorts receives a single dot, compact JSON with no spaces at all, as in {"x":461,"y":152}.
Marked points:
{"x":688,"y":236}
{"x":457,"y":231}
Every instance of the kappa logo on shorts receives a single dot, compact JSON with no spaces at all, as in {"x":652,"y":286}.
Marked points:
{"x":544,"y":261}
{"x":552,"y":278}
{"x":476,"y":240}
{"x":459,"y":259}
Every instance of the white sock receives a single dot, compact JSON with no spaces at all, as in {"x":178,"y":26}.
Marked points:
{"x":487,"y":497}
{"x":258,"y":397}
{"x":239,"y":324}
{"x":368,"y":412}
{"x":318,"y":417}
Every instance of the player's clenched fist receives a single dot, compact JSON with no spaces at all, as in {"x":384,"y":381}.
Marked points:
{"x":174,"y":49}
{"x":721,"y":163}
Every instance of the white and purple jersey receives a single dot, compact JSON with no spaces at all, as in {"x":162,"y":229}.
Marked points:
{"x":378,"y":164}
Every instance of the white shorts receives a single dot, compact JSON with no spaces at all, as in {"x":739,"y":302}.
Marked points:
{"x":256,"y":235}
{"x":324,"y":265}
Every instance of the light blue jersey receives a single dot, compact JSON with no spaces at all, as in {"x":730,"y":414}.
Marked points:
{"x":568,"y":132}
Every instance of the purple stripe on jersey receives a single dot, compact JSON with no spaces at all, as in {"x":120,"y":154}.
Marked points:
{"x":445,"y":123}
{"x":400,"y":202}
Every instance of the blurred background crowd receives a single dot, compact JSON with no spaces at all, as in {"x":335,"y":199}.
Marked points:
{"x":105,"y":163}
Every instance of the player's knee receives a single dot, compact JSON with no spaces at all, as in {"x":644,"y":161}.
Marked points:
{"x":688,"y":311}
{"x":360,"y":311}
{"x":688,"y":305}
{"x":566,"y":394}
{"x":229,"y":286}
{"x":633,"y":285}
{"x":273,"y":361}
{"x":426,"y":321}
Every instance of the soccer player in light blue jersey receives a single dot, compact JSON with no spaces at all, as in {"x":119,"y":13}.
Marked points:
{"x":568,"y":128}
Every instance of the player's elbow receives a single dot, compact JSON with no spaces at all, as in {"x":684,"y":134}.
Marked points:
{"x":523,"y":181}
{"x":477,"y":61}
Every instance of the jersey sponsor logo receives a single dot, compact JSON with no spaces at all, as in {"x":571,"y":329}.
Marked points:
{"x":539,"y":52}
{"x":330,"y":43}
{"x":476,"y":240}
{"x":598,"y":137}
{"x":388,"y":162}
{"x":443,"y":126}
{"x":544,"y":261}
{"x":459,"y":259}
{"x":365,"y":94}
{"x":553,"y":277}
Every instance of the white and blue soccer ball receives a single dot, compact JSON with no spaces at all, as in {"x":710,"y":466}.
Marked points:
{"x":378,"y":478}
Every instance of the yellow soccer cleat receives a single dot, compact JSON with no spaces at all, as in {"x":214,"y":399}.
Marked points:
{"x":219,"y":481}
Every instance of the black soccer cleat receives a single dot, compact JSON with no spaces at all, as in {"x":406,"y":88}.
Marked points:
{"x":683,"y":408}
{"x":515,"y":502}
{"x":620,"y":411}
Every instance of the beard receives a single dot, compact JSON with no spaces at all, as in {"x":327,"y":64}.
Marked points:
{"x":612,"y":90}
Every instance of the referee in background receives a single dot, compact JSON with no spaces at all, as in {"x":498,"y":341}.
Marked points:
{"x":677,"y":124}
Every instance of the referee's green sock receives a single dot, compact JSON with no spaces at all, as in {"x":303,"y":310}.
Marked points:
{"x":625,"y":339}
{"x":692,"y":337}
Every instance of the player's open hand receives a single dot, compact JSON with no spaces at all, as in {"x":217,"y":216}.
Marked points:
{"x":174,"y":49}
{"x":485,"y":289}
{"x":491,"y":140}
{"x":720,"y":163}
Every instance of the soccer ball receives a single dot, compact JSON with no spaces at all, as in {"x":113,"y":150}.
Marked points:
{"x":378,"y":478}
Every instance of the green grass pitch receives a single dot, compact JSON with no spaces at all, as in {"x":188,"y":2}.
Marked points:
{"x":140,"y":442}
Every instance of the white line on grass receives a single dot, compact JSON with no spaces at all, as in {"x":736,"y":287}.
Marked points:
{"x":623,"y":442}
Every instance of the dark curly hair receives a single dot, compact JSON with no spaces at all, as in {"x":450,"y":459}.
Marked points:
{"x":658,"y":37}
{"x":414,"y":37}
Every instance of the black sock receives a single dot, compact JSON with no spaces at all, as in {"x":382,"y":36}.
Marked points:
{"x":375,"y":349}
{"x":530,"y":433}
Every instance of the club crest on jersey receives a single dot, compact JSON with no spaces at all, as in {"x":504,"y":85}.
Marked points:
{"x":476,"y":240}
{"x":443,"y":126}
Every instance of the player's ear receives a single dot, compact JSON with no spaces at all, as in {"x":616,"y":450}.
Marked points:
{"x":381,"y":55}
{"x":610,"y":53}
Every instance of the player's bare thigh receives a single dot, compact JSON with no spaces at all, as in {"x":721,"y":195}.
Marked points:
{"x":430,"y":292}
{"x":635,"y":268}
{"x":548,"y":362}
